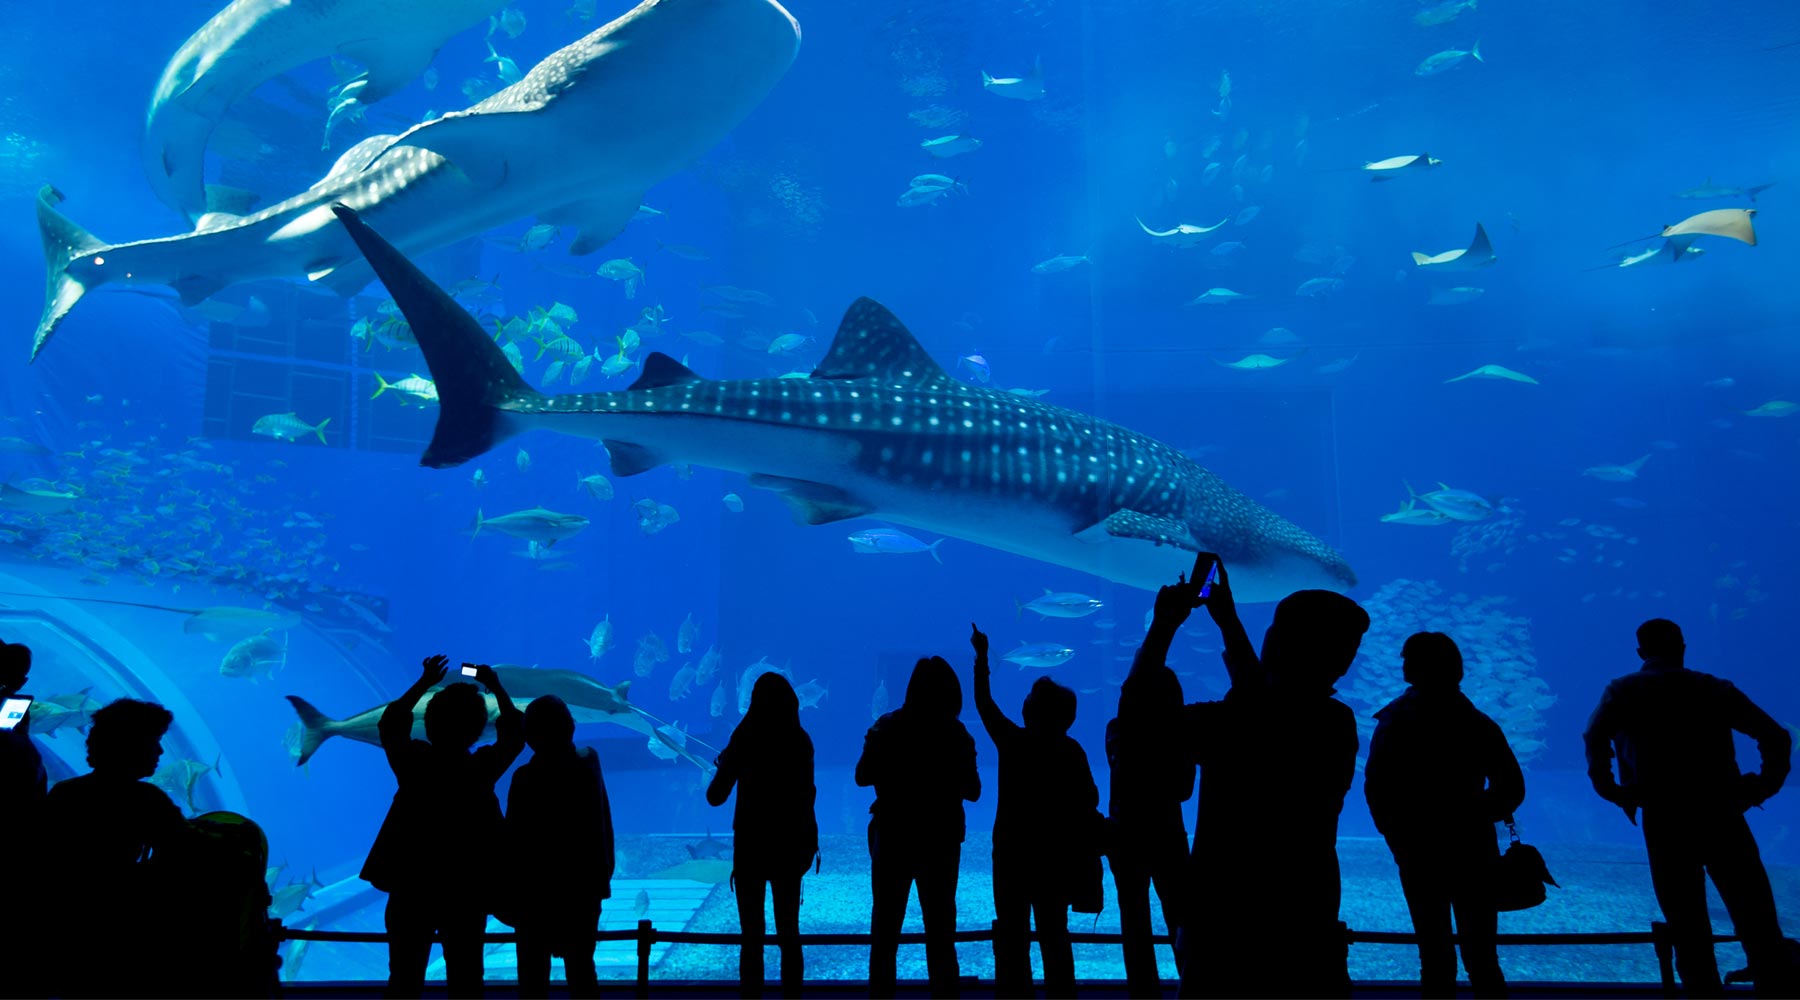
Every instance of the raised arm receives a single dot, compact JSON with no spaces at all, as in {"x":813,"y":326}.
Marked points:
{"x":1773,"y":744}
{"x":395,"y":727}
{"x":509,"y":724}
{"x":999,"y":727}
{"x":1240,"y":657}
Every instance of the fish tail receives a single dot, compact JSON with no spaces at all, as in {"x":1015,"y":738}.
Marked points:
{"x":1475,"y":50}
{"x":316,"y":727}
{"x":478,"y":522}
{"x":381,"y":385}
{"x":319,"y":429}
{"x":473,"y":376}
{"x":73,"y":263}
{"x":933,"y":549}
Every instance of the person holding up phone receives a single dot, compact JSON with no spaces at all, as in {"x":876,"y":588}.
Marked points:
{"x":444,"y":808}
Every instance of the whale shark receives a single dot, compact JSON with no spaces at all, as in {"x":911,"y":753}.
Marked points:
{"x":252,"y":41}
{"x":589,"y":701}
{"x":879,"y":430}
{"x":576,"y":143}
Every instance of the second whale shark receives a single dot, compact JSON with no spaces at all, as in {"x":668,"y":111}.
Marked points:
{"x":880,"y":430}
{"x":576,"y":142}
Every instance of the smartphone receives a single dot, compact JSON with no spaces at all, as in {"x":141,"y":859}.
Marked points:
{"x":1211,"y":570}
{"x":12,"y":712}
{"x":468,"y":671}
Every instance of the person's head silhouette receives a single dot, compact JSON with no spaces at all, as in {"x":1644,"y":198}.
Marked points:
{"x":125,"y":740}
{"x":1050,"y":707}
{"x":773,"y":703}
{"x":548,"y":725}
{"x":15,"y":666}
{"x":1430,"y":661}
{"x":1659,"y":640}
{"x":934,"y":691}
{"x":1313,"y":639}
{"x":455,"y":717}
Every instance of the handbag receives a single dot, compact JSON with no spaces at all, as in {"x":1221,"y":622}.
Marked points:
{"x":1520,"y":875}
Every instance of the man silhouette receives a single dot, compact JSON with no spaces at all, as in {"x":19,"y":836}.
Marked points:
{"x":1671,"y":730}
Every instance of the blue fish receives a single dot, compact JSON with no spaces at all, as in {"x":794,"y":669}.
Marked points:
{"x":882,"y":541}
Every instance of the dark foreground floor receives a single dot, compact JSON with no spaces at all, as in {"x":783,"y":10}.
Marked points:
{"x":975,"y":989}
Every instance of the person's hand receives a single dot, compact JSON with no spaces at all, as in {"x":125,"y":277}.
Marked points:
{"x":978,"y":639}
{"x":433,"y":669}
{"x":1219,"y":602}
{"x":1627,"y":802}
{"x":1174,"y":603}
{"x":485,"y":675}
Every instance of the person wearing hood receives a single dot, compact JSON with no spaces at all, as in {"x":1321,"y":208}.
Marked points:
{"x":1439,"y":776}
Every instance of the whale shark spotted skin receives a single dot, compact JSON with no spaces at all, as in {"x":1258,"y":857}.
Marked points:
{"x":576,"y":142}
{"x":251,"y":41}
{"x":880,"y":430}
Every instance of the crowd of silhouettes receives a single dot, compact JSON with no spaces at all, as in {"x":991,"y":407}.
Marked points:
{"x":1253,"y":902}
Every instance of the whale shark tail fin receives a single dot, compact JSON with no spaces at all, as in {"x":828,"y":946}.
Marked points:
{"x":74,"y":262}
{"x":475,"y":381}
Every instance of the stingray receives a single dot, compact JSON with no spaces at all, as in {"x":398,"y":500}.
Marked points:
{"x":215,"y":623}
{"x":1479,"y":253}
{"x":1731,"y":223}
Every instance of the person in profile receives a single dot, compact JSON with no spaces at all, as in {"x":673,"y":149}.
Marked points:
{"x":101,"y":832}
{"x":444,"y":815}
{"x":921,"y":761}
{"x":1152,"y":775}
{"x":559,"y":845}
{"x":23,"y":785}
{"x":1671,"y":730}
{"x":1277,"y":756}
{"x":775,"y":835}
{"x":1439,"y":776}
{"x":1047,"y":800}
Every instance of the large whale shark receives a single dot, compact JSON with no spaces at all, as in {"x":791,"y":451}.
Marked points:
{"x":576,"y":142}
{"x":252,"y":41}
{"x":879,"y":430}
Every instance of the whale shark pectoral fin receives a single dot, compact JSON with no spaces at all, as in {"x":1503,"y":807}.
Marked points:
{"x":813,"y":503}
{"x":1130,"y":525}
{"x":631,"y":459}
{"x":597,"y":219}
{"x":196,"y":288}
{"x":475,"y":143}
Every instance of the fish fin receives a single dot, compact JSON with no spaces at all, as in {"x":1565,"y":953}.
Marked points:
{"x":986,"y":78}
{"x":1132,"y":525}
{"x":475,"y":142}
{"x":72,"y":261}
{"x":196,"y":288}
{"x":597,"y":221}
{"x":316,"y":728}
{"x":1420,"y":259}
{"x":660,"y":370}
{"x":473,"y":377}
{"x":933,"y":549}
{"x":630,"y":459}
{"x":813,"y":503}
{"x":871,"y":342}
{"x":1480,"y":248}
{"x":381,"y":385}
{"x":319,"y":429}
{"x":1475,"y":50}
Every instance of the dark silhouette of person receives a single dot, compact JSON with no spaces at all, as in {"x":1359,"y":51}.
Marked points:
{"x":775,"y":835}
{"x":1152,"y":775}
{"x":1277,"y":756}
{"x":1671,"y":729}
{"x":921,"y":761}
{"x":559,"y":841}
{"x":444,"y":814}
{"x":1047,"y":795}
{"x":1439,"y":776}
{"x":23,"y":785}
{"x":101,"y":832}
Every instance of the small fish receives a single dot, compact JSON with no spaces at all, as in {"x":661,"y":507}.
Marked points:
{"x":622,"y":269}
{"x":1457,"y":296}
{"x":596,"y":486}
{"x":686,"y":634}
{"x":788,"y":343}
{"x":1616,"y":473}
{"x":882,"y":541}
{"x":878,"y":702}
{"x":1410,"y":513}
{"x":1057,"y":265}
{"x":1711,"y":190}
{"x":504,"y":66}
{"x":288,"y":427}
{"x":733,"y":503}
{"x":1442,"y":13}
{"x":642,"y":904}
{"x":946,"y":146}
{"x":1061,"y":605}
{"x":681,"y":683}
{"x":1217,"y":296}
{"x":1017,"y":88}
{"x":1253,"y":362}
{"x":811,"y":693}
{"x":1399,"y":166}
{"x":1042,"y":655}
{"x":977,"y":366}
{"x":1721,"y":383}
{"x":1496,"y":372}
{"x":479,"y":479}
{"x":1447,"y":60}
{"x":1318,"y":288}
{"x":1774,"y":408}
{"x":684,"y":251}
{"x":721,"y":699}
{"x":522,"y":460}
{"x":1246,"y":214}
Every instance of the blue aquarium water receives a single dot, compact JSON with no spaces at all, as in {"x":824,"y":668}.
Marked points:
{"x":1377,"y":287}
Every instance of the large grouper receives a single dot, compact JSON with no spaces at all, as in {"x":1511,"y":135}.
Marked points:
{"x":879,"y":430}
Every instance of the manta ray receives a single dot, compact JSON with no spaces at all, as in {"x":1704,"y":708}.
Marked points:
{"x":252,"y":41}
{"x":880,"y":430}
{"x":576,"y":142}
{"x":1478,"y":254}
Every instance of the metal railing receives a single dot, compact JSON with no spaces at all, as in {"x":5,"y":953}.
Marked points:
{"x":647,"y":937}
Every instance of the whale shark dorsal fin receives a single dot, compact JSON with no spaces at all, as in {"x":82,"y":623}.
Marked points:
{"x":623,"y":691}
{"x":1480,"y":248}
{"x":872,"y":343}
{"x":661,"y":370}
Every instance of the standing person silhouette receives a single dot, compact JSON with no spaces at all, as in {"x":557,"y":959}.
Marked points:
{"x":1047,"y":798}
{"x":921,"y":761}
{"x":23,"y":785}
{"x":1439,"y":776}
{"x":559,"y":843}
{"x":444,"y":809}
{"x":775,"y":835}
{"x":1277,"y":756}
{"x":1152,"y":775}
{"x":1671,"y":729}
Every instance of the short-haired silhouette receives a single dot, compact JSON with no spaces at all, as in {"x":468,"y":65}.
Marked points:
{"x":444,"y":809}
{"x":1671,"y":729}
{"x":1047,"y":797}
{"x":775,"y":835}
{"x":100,"y":832}
{"x":23,"y":784}
{"x":559,"y":851}
{"x":1152,"y":775}
{"x":1439,"y":776}
{"x":921,"y":761}
{"x":1277,"y":755}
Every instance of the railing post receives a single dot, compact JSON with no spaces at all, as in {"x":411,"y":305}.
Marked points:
{"x":1665,"y":956}
{"x":646,"y":936}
